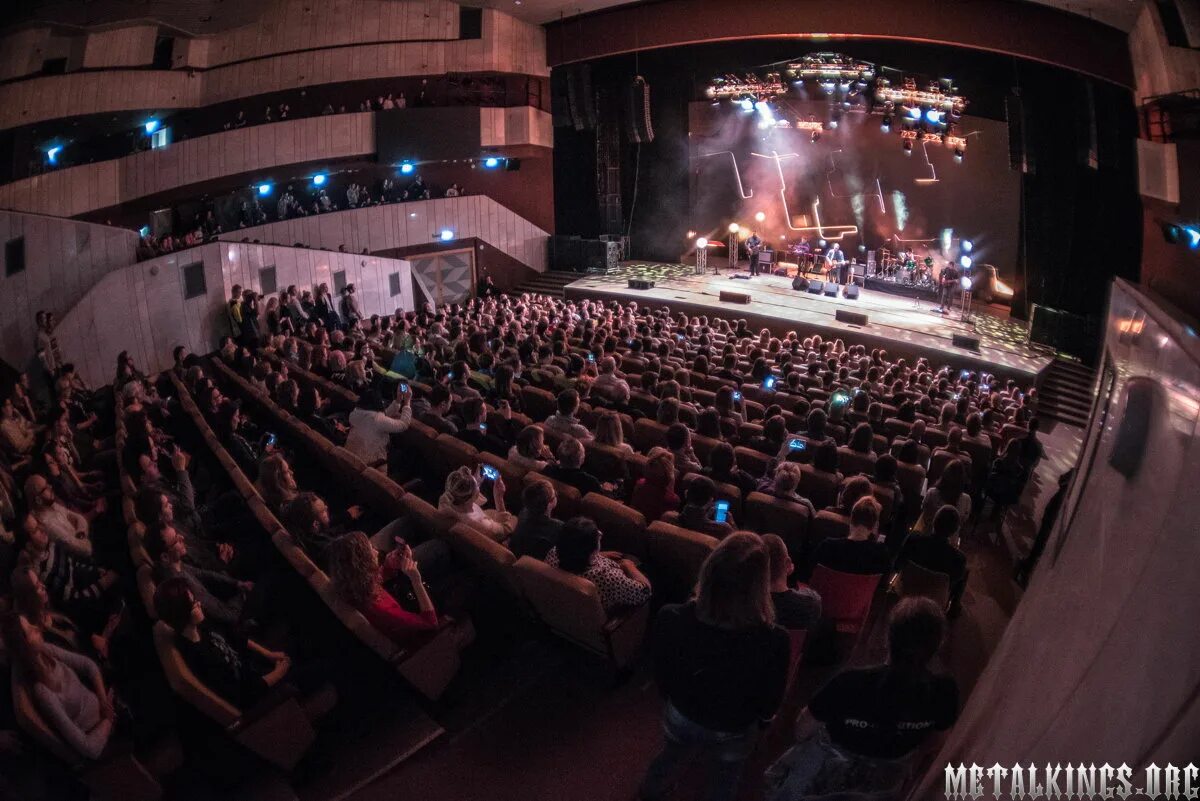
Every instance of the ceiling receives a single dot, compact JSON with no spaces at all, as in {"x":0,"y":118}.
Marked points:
{"x":208,"y":16}
{"x":1117,"y":13}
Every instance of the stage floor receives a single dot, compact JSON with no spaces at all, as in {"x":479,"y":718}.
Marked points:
{"x":901,"y":325}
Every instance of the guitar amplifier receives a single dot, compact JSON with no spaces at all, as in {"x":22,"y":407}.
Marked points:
{"x":734,"y":297}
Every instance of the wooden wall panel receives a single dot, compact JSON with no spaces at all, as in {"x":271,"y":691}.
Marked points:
{"x":402,"y":224}
{"x":63,"y":260}
{"x":131,"y":46}
{"x":78,"y":190}
{"x":313,"y":57}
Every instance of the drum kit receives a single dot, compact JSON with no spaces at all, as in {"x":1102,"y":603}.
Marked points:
{"x":905,"y":267}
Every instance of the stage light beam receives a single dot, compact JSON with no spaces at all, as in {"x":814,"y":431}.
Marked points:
{"x":968,"y":246}
{"x":701,"y":243}
{"x":760,"y":216}
{"x":734,"y":228}
{"x":966,"y":261}
{"x":319,"y":179}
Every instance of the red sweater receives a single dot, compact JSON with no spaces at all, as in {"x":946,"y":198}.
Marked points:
{"x":652,"y":500}
{"x":386,"y":615}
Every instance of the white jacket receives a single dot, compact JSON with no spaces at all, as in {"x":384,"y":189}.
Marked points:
{"x":370,"y":431}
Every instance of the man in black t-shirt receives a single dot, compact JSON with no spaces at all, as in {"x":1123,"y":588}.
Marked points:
{"x":888,"y":711}
{"x":795,"y":609}
{"x":859,"y":552}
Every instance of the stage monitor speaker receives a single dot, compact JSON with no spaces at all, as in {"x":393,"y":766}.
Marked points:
{"x":638,"y":112}
{"x":964,"y":341}
{"x":815,"y":287}
{"x":851,"y":292}
{"x":853,"y":318}
{"x":734,"y":297}
{"x":799,"y":283}
{"x":831,"y":289}
{"x":640,"y":283}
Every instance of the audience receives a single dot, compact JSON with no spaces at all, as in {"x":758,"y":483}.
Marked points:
{"x":618,"y":580}
{"x":860,"y":551}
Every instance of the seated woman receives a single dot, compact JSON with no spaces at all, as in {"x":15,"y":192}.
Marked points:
{"x":236,"y":668}
{"x":76,"y":495}
{"x":461,"y":501}
{"x":784,"y":484}
{"x":68,"y":689}
{"x":31,"y":600}
{"x":610,"y":432}
{"x":723,"y":469}
{"x":699,"y":509}
{"x":938,"y":551}
{"x":530,"y":451}
{"x":679,"y":441}
{"x":950,"y":490}
{"x":617,"y":579}
{"x":310,"y":409}
{"x":851,"y":492}
{"x":231,"y":429}
{"x":359,"y":580}
{"x":862,"y":439}
{"x":825,"y":459}
{"x":654,"y":493}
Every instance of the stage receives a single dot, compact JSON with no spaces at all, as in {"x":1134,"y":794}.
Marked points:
{"x":903,"y":326}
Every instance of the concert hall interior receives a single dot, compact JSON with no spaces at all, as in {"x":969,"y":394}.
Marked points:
{"x":526,"y":400}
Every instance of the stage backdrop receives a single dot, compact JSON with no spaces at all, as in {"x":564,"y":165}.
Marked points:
{"x":852,"y":177}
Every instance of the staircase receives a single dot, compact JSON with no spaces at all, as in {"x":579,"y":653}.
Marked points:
{"x":549,"y":283}
{"x":1067,"y":392}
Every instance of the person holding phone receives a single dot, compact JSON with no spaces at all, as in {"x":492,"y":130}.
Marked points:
{"x":461,"y":501}
{"x":372,"y":426}
{"x":703,"y":512}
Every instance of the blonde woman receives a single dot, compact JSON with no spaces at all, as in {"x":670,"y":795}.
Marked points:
{"x":610,"y":432}
{"x":462,"y":502}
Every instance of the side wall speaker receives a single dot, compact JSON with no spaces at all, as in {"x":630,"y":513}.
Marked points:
{"x":852,"y":318}
{"x":734,"y":297}
{"x":964,"y":341}
{"x":639,"y":128}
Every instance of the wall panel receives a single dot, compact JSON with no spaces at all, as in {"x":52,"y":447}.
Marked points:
{"x":402,"y":224}
{"x":131,"y":46}
{"x":63,"y":259}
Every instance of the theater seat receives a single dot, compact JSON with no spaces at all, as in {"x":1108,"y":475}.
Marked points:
{"x":486,"y":557}
{"x":624,"y":527}
{"x":293,"y":554}
{"x":676,"y":555}
{"x":570,"y":606}
{"x":753,"y":462}
{"x":767,"y":514}
{"x":538,"y":403}
{"x":911,"y":478}
{"x":845,"y":597}
{"x":279,"y":734}
{"x":450,"y":454}
{"x":828,"y":524}
{"x":851,"y":463}
{"x":916,"y":580}
{"x":649,"y":434}
{"x":604,"y":461}
{"x":818,"y":486}
{"x":380,"y":492}
{"x":569,"y":499}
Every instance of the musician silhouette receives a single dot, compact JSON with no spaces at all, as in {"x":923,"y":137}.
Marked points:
{"x":753,"y":247}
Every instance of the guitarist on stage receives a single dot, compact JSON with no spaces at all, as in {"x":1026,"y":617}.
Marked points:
{"x":754,"y":247}
{"x":947,"y":282}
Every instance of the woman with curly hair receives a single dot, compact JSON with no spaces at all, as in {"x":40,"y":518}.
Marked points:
{"x":358,"y":579}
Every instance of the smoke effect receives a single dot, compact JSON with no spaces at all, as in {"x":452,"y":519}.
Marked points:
{"x":900,"y":205}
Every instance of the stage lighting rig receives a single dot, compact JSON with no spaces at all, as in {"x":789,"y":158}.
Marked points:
{"x":832,"y":68}
{"x":746,"y":87}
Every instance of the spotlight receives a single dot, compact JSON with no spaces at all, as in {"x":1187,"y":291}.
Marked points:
{"x":822,"y":243}
{"x":907,"y":145}
{"x":319,"y":179}
{"x":747,"y":104}
{"x":491,"y":162}
{"x":959,"y":154}
{"x":701,"y":243}
{"x":761,"y":106}
{"x":965,"y":283}
{"x":816,"y":135}
{"x":862,"y":248}
{"x":406,"y":168}
{"x":734,"y":228}
{"x":264,"y":189}
{"x":446,"y":235}
{"x":691,"y":234}
{"x":934,"y":116}
{"x":1193,"y":234}
{"x":833,"y":124}
{"x":966,"y":261}
{"x":887,"y":123}
{"x":914,"y":113}
{"x":967,"y":245}
{"x":144,"y":231}
{"x":760,"y":216}
{"x":151,"y":126}
{"x":763,"y":125}
{"x":52,"y":154}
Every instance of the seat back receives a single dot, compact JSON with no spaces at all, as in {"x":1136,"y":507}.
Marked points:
{"x":917,"y":580}
{"x":911,"y":478}
{"x":538,"y":403}
{"x":845,"y":597}
{"x":676,"y":554}
{"x":828,"y":524}
{"x":379,"y":491}
{"x":818,"y":486}
{"x":624,"y":527}
{"x":887,"y":502}
{"x":569,"y":499}
{"x":703,"y":446}
{"x":937,"y":463}
{"x":488,"y":558}
{"x":648,"y":434}
{"x":753,"y":462}
{"x":851,"y":463}
{"x":767,"y":514}
{"x":604,"y":461}
{"x":146,"y":587}
{"x":568,"y":604}
{"x":451,"y":453}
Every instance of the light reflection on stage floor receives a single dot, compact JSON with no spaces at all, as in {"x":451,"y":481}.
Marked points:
{"x":907,"y":324}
